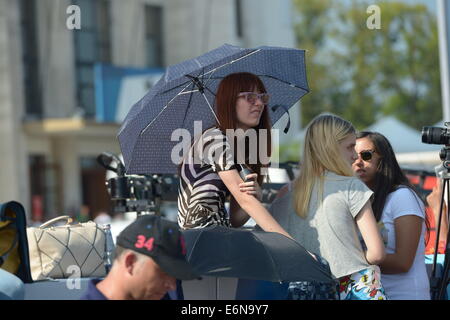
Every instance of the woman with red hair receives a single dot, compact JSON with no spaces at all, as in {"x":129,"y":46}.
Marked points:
{"x":209,"y":172}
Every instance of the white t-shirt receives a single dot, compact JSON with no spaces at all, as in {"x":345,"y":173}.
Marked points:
{"x":414,"y":284}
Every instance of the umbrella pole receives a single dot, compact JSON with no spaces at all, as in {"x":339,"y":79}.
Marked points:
{"x":201,"y":88}
{"x":210,"y":107}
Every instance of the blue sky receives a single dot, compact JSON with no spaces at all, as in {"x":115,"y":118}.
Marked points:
{"x":429,"y":3}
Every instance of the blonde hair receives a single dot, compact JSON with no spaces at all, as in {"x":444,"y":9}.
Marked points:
{"x":321,"y":153}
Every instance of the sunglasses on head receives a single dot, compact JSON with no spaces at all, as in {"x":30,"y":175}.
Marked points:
{"x":366,"y":155}
{"x":251,"y":97}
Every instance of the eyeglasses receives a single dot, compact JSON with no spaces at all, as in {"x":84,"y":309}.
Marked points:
{"x":251,"y":97}
{"x":366,"y":155}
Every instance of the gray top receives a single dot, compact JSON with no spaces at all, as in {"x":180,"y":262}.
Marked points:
{"x":329,"y":229}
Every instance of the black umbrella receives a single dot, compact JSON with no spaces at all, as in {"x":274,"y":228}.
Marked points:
{"x":225,"y":252}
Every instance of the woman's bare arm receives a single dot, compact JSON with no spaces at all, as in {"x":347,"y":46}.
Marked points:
{"x":367,"y":225}
{"x":250,"y":204}
{"x":407,"y":236}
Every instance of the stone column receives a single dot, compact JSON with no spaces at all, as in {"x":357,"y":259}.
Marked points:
{"x":13,"y":156}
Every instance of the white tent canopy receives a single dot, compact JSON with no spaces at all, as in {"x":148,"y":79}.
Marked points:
{"x":406,"y":142}
{"x":403,"y":139}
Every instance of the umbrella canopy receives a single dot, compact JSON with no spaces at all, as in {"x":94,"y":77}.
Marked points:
{"x":186,"y":94}
{"x":225,"y":252}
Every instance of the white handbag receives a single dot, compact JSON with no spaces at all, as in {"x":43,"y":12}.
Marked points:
{"x":71,"y":250}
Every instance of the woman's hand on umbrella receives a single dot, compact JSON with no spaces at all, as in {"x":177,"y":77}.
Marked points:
{"x":251,"y":186}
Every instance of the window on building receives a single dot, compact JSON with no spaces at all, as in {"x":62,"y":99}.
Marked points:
{"x":154,"y":35}
{"x":95,"y":196}
{"x":92,"y":45}
{"x":45,"y":191}
{"x":32,"y":87}
{"x":238,"y":7}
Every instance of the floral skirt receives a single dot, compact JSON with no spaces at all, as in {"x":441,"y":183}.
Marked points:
{"x":362,"y":285}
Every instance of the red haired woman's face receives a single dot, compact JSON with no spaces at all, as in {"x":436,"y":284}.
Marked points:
{"x":248,"y":112}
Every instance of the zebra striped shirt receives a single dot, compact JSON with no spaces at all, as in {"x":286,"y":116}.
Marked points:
{"x":201,"y":193}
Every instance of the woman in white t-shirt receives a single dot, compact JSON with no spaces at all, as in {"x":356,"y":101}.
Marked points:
{"x":401,"y":217}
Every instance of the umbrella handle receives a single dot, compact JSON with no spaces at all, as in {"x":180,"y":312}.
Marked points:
{"x":288,"y":125}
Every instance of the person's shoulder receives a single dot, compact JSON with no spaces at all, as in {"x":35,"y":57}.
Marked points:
{"x":350,"y":186}
{"x":404,"y":200}
{"x":403,"y":193}
{"x":334,"y":176}
{"x":350,"y":180}
{"x":92,"y":292}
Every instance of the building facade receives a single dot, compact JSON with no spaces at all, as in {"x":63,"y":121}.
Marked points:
{"x":51,"y":130}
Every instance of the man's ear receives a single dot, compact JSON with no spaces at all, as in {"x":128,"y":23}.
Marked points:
{"x":130,"y":259}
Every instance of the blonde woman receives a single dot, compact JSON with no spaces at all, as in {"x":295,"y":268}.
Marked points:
{"x":326,"y":206}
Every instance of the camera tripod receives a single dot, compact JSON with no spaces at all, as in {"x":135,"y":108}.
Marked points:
{"x":439,"y":284}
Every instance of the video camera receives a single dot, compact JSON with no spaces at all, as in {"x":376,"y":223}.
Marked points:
{"x":436,"y":135}
{"x":139,"y":193}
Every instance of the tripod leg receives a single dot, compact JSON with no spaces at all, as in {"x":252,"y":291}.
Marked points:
{"x":444,"y":280}
{"x":434,"y":280}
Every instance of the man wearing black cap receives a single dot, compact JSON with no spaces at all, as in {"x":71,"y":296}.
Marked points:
{"x":150,"y":256}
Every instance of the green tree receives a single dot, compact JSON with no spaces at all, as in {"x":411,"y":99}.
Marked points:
{"x":311,"y":31}
{"x":389,"y":71}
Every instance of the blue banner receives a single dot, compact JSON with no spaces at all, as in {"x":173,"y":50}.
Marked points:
{"x":117,"y":89}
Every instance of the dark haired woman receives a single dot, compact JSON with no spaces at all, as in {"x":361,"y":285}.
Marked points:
{"x":400,"y":214}
{"x":209,"y":173}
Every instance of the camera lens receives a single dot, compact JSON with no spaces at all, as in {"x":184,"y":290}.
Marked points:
{"x":434,"y":135}
{"x":119,"y":188}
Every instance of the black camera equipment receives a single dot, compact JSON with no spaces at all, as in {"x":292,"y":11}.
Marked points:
{"x":436,"y":135}
{"x":139,"y":193}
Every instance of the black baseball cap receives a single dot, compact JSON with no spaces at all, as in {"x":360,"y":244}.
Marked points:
{"x":161,"y":240}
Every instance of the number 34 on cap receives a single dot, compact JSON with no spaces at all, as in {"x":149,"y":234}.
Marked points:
{"x":142,"y":242}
